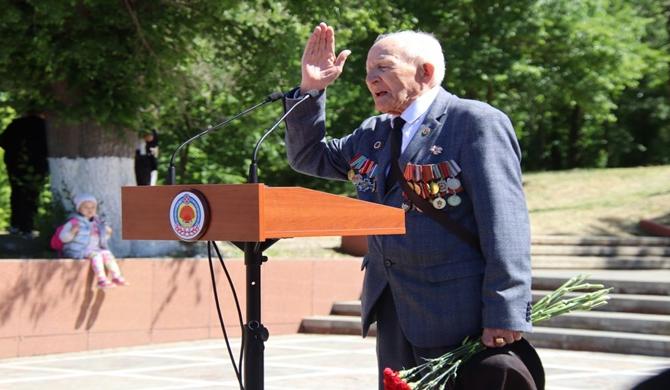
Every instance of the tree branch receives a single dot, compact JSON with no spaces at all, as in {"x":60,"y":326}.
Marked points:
{"x":136,"y":22}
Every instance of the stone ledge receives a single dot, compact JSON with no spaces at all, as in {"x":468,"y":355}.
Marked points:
{"x":52,"y":306}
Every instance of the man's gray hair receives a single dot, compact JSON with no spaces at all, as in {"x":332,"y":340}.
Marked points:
{"x":420,"y":47}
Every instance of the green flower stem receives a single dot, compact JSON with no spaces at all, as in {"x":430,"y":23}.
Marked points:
{"x":549,"y":306}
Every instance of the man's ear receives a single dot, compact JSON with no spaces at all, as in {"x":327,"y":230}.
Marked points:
{"x":427,"y":72}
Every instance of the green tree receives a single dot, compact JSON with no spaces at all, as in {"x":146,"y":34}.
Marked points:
{"x":641,"y":135}
{"x":94,"y":65}
{"x":557,"y":67}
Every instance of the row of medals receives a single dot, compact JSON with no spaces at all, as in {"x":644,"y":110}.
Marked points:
{"x":361,"y":172}
{"x":435,"y":183}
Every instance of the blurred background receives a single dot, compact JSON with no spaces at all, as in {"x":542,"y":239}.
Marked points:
{"x":586,"y":84}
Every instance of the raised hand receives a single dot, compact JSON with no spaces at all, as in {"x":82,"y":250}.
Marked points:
{"x":320,"y":67}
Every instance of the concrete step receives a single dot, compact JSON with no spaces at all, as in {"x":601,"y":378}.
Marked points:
{"x":624,"y":303}
{"x":333,"y":324}
{"x":612,"y":322}
{"x":600,"y":240}
{"x":636,"y":320}
{"x":597,"y":340}
{"x":346,"y":308}
{"x":620,"y":286}
{"x":599,"y":262}
{"x":599,"y":250}
{"x":543,"y":337}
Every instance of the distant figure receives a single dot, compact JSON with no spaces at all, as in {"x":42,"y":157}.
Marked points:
{"x":85,"y":235}
{"x":146,"y":159}
{"x":25,"y":145}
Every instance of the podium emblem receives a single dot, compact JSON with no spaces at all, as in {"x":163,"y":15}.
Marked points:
{"x":189,"y":215}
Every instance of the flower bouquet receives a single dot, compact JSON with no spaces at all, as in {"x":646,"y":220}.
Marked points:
{"x":438,"y":372}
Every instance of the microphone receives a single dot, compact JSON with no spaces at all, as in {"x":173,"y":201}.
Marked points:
{"x":274,"y":96}
{"x":253,"y":167}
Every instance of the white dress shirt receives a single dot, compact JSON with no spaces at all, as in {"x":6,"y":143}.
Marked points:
{"x":415,"y":114}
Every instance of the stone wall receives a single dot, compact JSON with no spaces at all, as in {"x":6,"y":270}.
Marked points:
{"x":52,"y":306}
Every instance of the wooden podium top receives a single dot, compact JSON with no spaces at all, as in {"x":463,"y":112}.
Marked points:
{"x":256,"y":212}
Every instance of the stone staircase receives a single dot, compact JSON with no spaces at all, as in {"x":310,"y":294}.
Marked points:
{"x":636,"y":320}
{"x":560,"y":252}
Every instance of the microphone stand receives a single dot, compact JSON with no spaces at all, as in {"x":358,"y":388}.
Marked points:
{"x":255,"y":333}
{"x":171,"y":168}
{"x":253,"y":251}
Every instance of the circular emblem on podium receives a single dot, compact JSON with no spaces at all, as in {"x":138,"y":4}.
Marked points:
{"x":189,"y":215}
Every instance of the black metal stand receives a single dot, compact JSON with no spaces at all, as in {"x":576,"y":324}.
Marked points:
{"x":255,"y":333}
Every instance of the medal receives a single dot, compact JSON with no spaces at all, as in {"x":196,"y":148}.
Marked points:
{"x":366,"y":185}
{"x":434,"y":188}
{"x":453,"y":183}
{"x":454,"y":168}
{"x":454,"y":200}
{"x":439,"y":203}
{"x":408,"y":172}
{"x":425,"y":190}
{"x":362,"y":172}
{"x":426,"y":173}
{"x":442,"y":185}
{"x":436,"y":149}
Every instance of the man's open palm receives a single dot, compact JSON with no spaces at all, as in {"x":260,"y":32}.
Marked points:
{"x":320,"y":67}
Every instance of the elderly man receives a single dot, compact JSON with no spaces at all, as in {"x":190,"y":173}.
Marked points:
{"x":463,"y":267}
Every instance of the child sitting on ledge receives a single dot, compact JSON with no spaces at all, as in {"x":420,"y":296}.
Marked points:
{"x":85,"y":236}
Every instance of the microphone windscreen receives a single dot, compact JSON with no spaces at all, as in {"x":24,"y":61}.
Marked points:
{"x":275,"y":96}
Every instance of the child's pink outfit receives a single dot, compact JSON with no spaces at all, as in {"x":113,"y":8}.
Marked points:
{"x":90,"y":243}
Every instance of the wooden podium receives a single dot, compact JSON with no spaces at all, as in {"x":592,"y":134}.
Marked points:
{"x":254,"y":217}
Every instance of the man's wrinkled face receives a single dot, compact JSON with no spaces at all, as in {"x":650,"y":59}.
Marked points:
{"x":393,"y":81}
{"x":88,"y":209}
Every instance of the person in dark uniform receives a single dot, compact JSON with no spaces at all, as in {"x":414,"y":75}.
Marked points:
{"x":25,"y":145}
{"x":146,"y":159}
{"x":453,"y":164}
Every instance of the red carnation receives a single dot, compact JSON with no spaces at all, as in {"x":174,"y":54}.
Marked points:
{"x":393,"y":381}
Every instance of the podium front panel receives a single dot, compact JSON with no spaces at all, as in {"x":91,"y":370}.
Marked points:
{"x":255,"y":212}
{"x":235,"y":211}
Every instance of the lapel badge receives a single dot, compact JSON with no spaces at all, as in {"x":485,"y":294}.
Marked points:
{"x":377,"y":145}
{"x":425,"y":131}
{"x":436,"y":149}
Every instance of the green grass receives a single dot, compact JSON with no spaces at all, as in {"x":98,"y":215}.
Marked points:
{"x":597,"y":201}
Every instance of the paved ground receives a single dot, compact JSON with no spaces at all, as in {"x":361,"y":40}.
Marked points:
{"x":301,"y":362}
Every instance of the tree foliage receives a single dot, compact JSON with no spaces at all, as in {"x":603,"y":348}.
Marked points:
{"x":585,"y":82}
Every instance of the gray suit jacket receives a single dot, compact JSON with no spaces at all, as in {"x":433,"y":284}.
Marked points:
{"x":444,"y":290}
